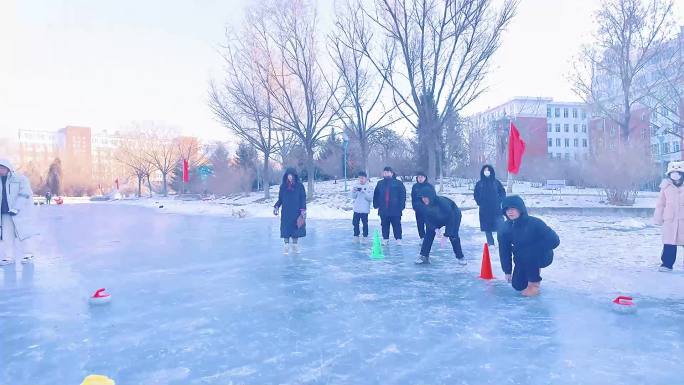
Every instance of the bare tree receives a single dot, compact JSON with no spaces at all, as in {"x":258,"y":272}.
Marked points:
{"x":131,"y":154}
{"x":303,"y":94}
{"x":362,"y":107}
{"x":243,"y":102}
{"x":163,"y":155}
{"x":620,"y":70}
{"x":434,"y":57}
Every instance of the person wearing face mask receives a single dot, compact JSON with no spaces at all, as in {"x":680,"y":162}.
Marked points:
{"x":489,"y":193}
{"x":421,"y":187}
{"x":389,"y":198}
{"x":292,"y":199}
{"x":670,"y":215}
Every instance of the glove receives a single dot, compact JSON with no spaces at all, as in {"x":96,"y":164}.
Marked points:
{"x":275,"y":211}
{"x":13,"y":212}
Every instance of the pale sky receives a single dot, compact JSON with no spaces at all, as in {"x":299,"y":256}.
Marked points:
{"x":105,"y":63}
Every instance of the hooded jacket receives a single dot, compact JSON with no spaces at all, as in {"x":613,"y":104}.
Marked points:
{"x":669,"y":212}
{"x":362,"y":194}
{"x":19,"y":200}
{"x":441,"y":212}
{"x":489,"y":193}
{"x":389,"y":197}
{"x":527,"y":238}
{"x":419,"y":188}
{"x":292,"y":199}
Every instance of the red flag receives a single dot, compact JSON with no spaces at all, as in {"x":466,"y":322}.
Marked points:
{"x":117,"y":183}
{"x":516,"y":149}
{"x":186,"y":173}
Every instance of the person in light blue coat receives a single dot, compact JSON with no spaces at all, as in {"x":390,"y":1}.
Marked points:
{"x":362,"y":196}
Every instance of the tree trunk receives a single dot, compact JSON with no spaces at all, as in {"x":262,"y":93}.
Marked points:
{"x":310,"y":172}
{"x":364,"y":154}
{"x":266,"y":178}
{"x":140,"y":178}
{"x":149,"y":185}
{"x":164,"y":188}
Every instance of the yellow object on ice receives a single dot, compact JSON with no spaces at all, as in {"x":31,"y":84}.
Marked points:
{"x":96,"y":379}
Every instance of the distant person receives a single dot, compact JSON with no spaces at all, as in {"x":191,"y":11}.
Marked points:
{"x":16,"y":203}
{"x":362,"y":195}
{"x":670,"y":215}
{"x":489,"y":193}
{"x":418,"y":188}
{"x":389,"y":198}
{"x":529,"y":241}
{"x":440,"y":212}
{"x":292,"y":199}
{"x":48,"y":197}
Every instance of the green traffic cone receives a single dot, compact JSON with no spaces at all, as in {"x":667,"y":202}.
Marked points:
{"x":376,"y":251}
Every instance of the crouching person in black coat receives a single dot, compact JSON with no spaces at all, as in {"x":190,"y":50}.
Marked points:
{"x":440,"y":212}
{"x":530,"y":241}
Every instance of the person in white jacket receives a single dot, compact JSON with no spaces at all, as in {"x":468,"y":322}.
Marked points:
{"x":16,"y":203}
{"x":362,"y":195}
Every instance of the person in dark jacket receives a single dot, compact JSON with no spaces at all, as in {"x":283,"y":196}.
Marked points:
{"x":292,"y":199}
{"x":420,"y":185}
{"x":530,"y":241}
{"x":389,"y":198}
{"x":489,"y":193}
{"x":440,"y":212}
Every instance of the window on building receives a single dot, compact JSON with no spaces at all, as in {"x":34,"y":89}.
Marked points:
{"x":558,"y":142}
{"x":549,"y":127}
{"x":567,"y":142}
{"x":550,"y":142}
{"x":566,"y":127}
{"x":654,"y":149}
{"x":565,"y":113}
{"x":675,"y":146}
{"x":666,"y":148}
{"x":576,"y":142}
{"x":567,"y":156}
{"x":558,"y":155}
{"x":584,"y":128}
{"x":576,"y":156}
{"x":557,"y":112}
{"x":584,"y":143}
{"x":557,"y":127}
{"x":584,"y":114}
{"x":574,"y":113}
{"x":575,"y":127}
{"x":548,"y":112}
{"x":550,"y":155}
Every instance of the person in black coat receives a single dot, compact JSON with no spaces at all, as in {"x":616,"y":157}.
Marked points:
{"x":440,"y":212}
{"x":292,"y":199}
{"x":530,"y":241}
{"x":489,"y":193}
{"x":389,"y":198}
{"x":420,"y":185}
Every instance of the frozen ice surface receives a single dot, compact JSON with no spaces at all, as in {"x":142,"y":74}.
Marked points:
{"x":212,"y":300}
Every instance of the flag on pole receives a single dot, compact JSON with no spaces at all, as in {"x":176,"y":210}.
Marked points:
{"x":516,"y":149}
{"x":186,"y":172}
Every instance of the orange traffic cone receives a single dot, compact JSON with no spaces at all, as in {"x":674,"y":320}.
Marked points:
{"x":486,"y":270}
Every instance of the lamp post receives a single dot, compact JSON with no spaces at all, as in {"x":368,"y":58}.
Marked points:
{"x":345,"y":144}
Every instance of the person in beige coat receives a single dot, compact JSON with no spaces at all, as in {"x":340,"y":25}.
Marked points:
{"x":16,"y":225}
{"x":669,"y":213}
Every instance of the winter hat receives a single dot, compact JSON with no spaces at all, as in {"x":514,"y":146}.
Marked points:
{"x":675,"y":166}
{"x":362,"y":173}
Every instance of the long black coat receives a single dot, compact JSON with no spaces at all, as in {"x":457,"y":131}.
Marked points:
{"x":292,"y":199}
{"x":489,"y":193}
{"x":397,"y":197}
{"x":528,"y":238}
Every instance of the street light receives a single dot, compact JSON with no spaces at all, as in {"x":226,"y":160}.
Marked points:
{"x":345,"y":144}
